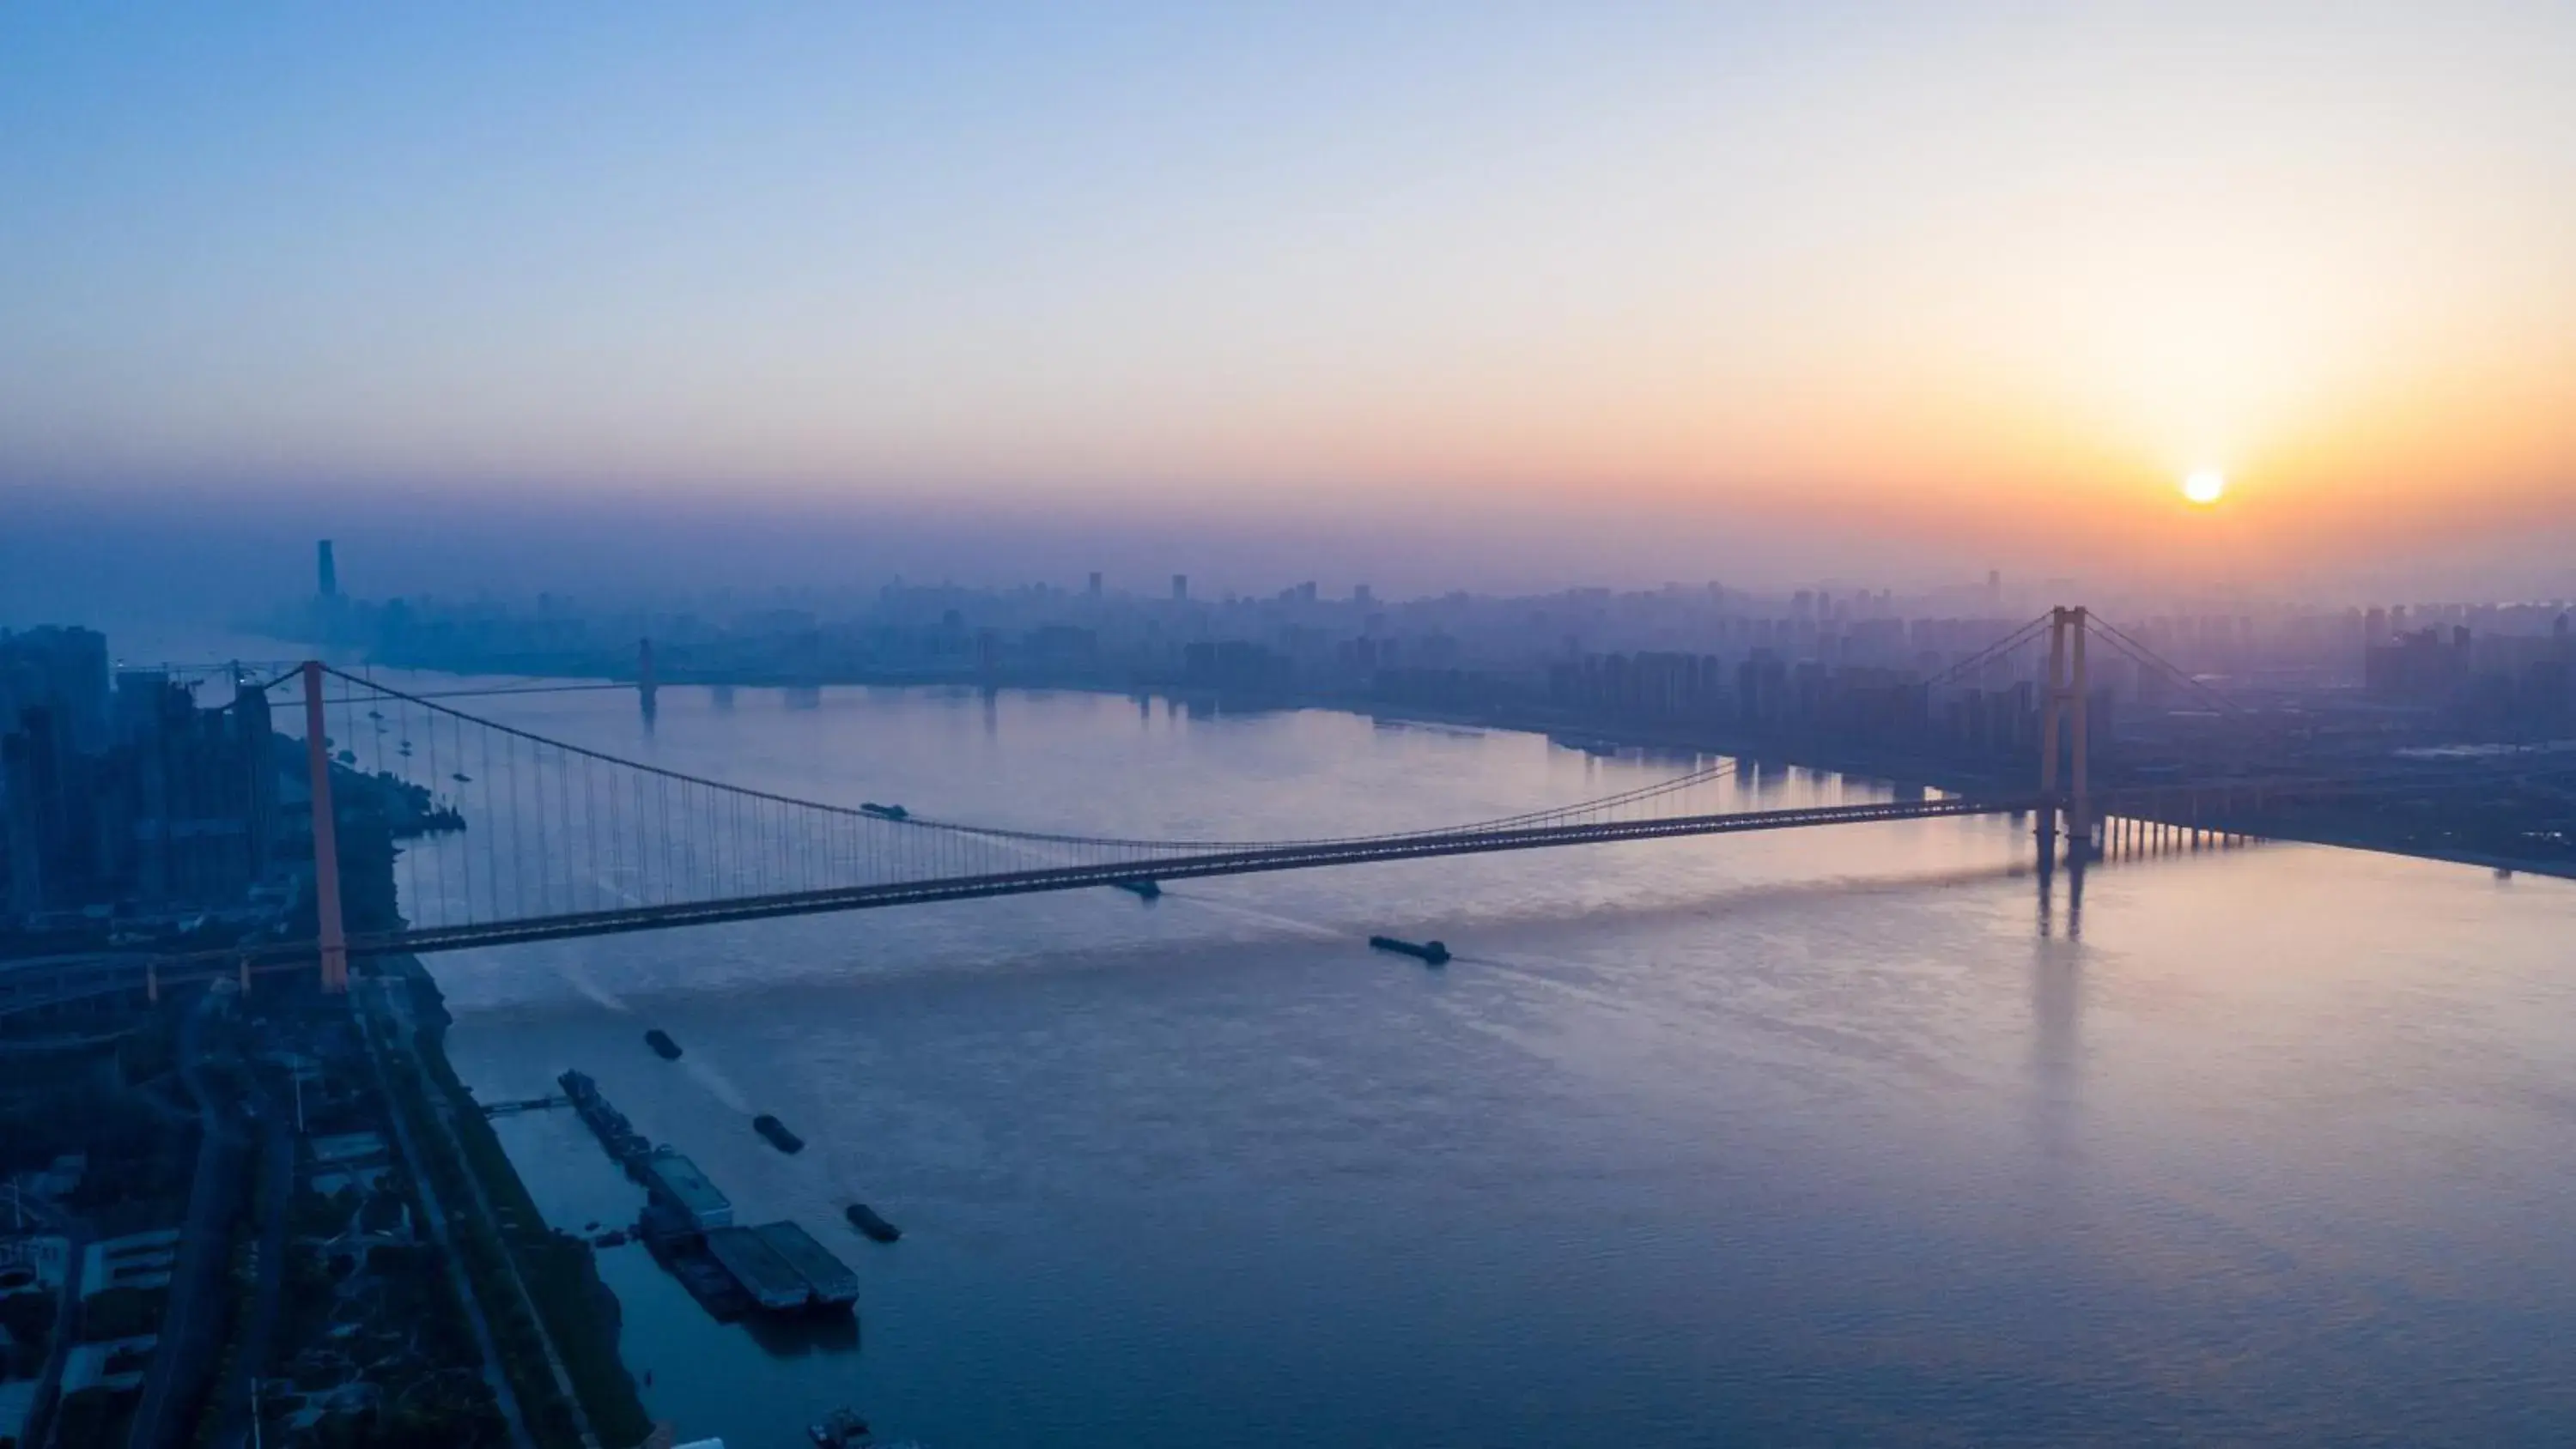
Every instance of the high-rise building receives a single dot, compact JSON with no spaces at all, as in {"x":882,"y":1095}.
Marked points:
{"x":174,"y":808}
{"x":1095,"y":583}
{"x":62,"y":671}
{"x":327,"y":572}
{"x":198,"y":814}
{"x":1180,"y":586}
{"x":28,"y":800}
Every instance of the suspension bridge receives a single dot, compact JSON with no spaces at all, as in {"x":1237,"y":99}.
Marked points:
{"x":500,"y":835}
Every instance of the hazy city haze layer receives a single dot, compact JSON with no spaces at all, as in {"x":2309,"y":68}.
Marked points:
{"x":1670,"y":290}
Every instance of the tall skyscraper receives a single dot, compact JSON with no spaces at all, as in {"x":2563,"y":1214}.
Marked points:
{"x":328,"y":583}
{"x":1095,"y":583}
{"x":1180,"y":586}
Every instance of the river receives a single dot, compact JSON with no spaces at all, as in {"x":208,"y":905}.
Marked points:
{"x":1828,"y":1136}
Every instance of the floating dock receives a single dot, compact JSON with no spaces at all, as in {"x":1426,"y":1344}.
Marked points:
{"x":677,"y":1181}
{"x":688,"y":1226}
{"x":628,"y":1146}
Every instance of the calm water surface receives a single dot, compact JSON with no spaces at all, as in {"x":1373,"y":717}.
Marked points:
{"x":1831,"y":1136}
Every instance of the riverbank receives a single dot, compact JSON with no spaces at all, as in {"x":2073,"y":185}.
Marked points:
{"x":554,"y":1323}
{"x":2311,"y":826}
{"x":542,"y":1313}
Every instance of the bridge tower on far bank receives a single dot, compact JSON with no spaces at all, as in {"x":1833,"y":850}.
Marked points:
{"x":2062,"y":725}
{"x":647,"y":688}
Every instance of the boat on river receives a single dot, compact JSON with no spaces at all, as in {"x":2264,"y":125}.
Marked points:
{"x":1430,"y":953}
{"x":777,"y":1133}
{"x":662,"y":1045}
{"x":865,"y":1219}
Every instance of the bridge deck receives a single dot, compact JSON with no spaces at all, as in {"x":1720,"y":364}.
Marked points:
{"x":271,"y":956}
{"x":1184,"y":867}
{"x":106,"y":975}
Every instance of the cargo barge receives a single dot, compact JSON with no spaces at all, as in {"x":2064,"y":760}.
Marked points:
{"x":682,"y":1252}
{"x":829,"y":1283}
{"x":1429,"y":952}
{"x":770,"y":1279}
{"x":1147,"y":890}
{"x":662,"y":1045}
{"x":776,"y":1268}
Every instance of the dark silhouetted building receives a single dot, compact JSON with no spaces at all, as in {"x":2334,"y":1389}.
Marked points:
{"x":163,"y":809}
{"x":61,"y":670}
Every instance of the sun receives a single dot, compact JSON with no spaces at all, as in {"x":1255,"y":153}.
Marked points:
{"x":2205,"y":486}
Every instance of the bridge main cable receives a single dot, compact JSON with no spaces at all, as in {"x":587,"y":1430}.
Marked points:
{"x":1636,"y":795}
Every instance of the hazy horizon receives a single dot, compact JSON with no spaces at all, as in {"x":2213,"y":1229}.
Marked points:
{"x":218,"y":559}
{"x":1456,"y":296}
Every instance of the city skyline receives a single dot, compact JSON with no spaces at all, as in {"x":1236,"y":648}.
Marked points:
{"x":1900,"y":291}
